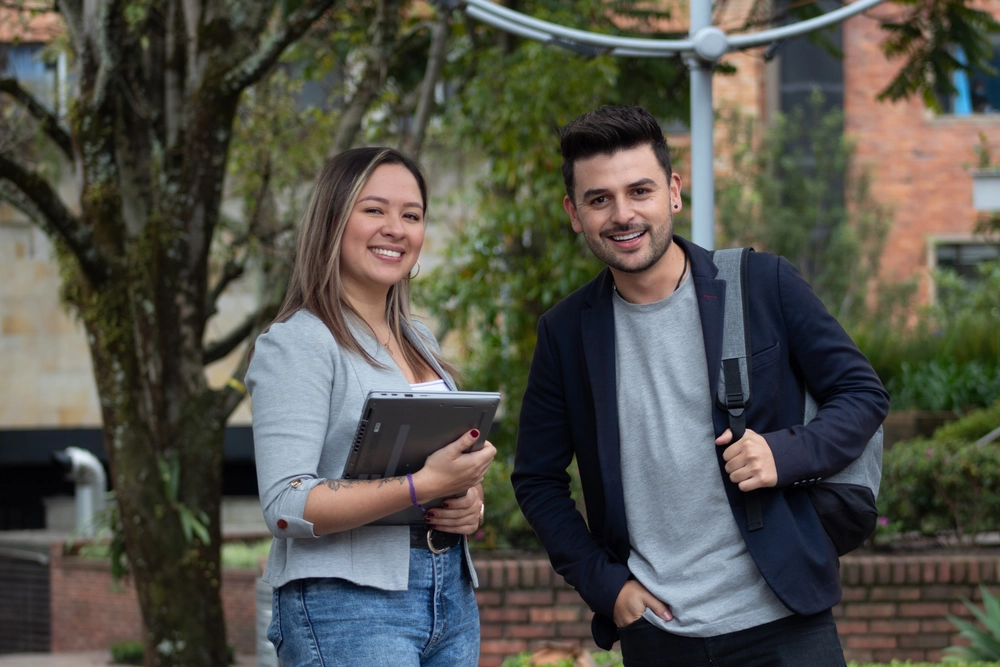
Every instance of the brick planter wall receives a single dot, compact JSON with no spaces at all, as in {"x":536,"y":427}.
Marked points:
{"x":90,"y":612}
{"x":893,"y":606}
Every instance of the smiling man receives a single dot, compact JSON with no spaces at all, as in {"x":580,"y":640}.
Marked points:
{"x":624,"y":377}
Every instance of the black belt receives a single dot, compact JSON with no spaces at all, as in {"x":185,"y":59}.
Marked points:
{"x":436,"y":541}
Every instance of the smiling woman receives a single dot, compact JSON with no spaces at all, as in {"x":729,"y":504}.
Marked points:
{"x":347,"y":592}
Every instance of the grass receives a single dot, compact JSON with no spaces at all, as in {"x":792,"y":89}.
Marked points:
{"x":234,"y":554}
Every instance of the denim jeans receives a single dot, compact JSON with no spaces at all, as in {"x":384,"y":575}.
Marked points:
{"x":332,"y":622}
{"x":793,"y":641}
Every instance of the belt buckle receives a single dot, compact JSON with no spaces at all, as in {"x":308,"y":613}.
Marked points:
{"x":430,"y":543}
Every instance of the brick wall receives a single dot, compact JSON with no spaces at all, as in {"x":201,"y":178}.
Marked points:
{"x":918,"y":160}
{"x":893,"y":606}
{"x":90,"y":612}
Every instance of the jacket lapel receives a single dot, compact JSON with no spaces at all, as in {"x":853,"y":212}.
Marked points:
{"x":598,"y":329}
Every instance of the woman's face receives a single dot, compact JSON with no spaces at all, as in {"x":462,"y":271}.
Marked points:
{"x":384,"y":233}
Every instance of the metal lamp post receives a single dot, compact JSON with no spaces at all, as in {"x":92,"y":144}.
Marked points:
{"x":701,"y":50}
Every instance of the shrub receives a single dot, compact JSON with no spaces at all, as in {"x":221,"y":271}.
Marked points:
{"x":947,"y":482}
{"x":127,"y":653}
{"x":130,"y":653}
{"x":985,"y":643}
{"x":945,"y":385}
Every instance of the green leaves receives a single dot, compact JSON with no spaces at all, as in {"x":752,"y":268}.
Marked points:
{"x":945,"y":483}
{"x":925,"y":36}
{"x":194,"y":522}
{"x":794,"y":191}
{"x":985,"y":641}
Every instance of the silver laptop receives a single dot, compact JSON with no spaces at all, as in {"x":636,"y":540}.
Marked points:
{"x":399,"y":430}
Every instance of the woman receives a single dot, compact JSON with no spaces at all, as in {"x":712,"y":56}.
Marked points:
{"x":347,"y":593}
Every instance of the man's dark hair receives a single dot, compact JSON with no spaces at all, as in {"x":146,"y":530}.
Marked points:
{"x":607,"y":130}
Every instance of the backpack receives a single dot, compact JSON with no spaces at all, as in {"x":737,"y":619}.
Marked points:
{"x":845,"y":501}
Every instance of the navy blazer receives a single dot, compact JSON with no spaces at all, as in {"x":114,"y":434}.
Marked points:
{"x":570,"y":409}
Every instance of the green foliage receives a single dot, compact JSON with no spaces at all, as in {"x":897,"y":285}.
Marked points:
{"x":925,"y":35}
{"x":945,"y":483}
{"x":793,"y":190}
{"x":944,"y":385}
{"x":985,"y":641}
{"x":130,"y":653}
{"x":127,"y":653}
{"x":948,"y":360}
{"x":194,"y":522}
{"x":600,"y":658}
{"x":109,"y":541}
{"x":245,"y":554}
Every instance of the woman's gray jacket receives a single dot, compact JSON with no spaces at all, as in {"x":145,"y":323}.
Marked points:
{"x":307,"y":394}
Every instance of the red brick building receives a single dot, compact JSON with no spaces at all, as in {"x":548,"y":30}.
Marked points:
{"x":919,"y":159}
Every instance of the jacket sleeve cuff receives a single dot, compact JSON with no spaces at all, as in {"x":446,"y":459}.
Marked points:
{"x":611,"y":585}
{"x":285,"y":518}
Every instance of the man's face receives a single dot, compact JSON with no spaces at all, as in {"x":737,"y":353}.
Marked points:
{"x":624,"y":207}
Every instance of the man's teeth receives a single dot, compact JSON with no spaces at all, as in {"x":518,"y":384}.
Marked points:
{"x":387,"y":253}
{"x":627,"y":237}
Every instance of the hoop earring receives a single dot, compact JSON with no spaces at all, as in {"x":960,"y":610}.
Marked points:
{"x":414,"y":275}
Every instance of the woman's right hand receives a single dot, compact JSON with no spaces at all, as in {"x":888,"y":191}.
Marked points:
{"x":451,"y":470}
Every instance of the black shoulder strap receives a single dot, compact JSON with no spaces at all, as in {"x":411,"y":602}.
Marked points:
{"x":734,"y":393}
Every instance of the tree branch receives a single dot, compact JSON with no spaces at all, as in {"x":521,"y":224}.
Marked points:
{"x":99,"y":23}
{"x":383,"y":31}
{"x":294,"y":26}
{"x":230,"y":272}
{"x":72,"y":13}
{"x":414,"y":140}
{"x":33,"y":195}
{"x":48,"y":120}
{"x":219,"y":348}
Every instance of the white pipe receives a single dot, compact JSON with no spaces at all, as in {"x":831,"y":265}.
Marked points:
{"x":91,"y":482}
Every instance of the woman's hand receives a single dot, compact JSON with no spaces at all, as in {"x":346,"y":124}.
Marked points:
{"x":458,"y":515}
{"x":451,"y":470}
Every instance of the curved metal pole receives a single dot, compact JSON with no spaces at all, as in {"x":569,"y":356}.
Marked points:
{"x":516,"y":22}
{"x":511,"y":17}
{"x":802,"y":27}
{"x":509,"y":26}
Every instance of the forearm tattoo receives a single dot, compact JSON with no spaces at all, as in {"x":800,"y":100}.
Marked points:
{"x":337,"y":484}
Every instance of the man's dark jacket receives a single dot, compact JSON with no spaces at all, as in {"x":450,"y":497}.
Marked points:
{"x":570,"y":408}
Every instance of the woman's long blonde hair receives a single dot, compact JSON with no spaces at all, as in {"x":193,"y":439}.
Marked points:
{"x":316,"y":285}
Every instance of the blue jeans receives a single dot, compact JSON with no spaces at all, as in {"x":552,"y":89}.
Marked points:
{"x":332,"y":622}
{"x":793,"y":641}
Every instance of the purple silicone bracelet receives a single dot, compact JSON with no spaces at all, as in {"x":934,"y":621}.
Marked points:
{"x":413,"y":493}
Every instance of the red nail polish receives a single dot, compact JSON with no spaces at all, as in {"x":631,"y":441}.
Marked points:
{"x":475,"y":433}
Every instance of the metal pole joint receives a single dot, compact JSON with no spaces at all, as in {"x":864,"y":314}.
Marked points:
{"x":710,"y":43}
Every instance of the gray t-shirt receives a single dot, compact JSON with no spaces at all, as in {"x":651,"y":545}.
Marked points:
{"x":686,"y":547}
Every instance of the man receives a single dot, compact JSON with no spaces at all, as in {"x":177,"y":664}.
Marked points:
{"x":624,"y":376}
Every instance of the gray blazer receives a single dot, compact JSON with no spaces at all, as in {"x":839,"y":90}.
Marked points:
{"x":307,"y":394}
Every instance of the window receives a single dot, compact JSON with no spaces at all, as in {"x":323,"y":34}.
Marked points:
{"x":962,"y":258}
{"x":24,"y":62}
{"x":976,"y":92}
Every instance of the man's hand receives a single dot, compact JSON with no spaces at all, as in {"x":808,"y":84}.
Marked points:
{"x":749,"y":460}
{"x":632,"y":602}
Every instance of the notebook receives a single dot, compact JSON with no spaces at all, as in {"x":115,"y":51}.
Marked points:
{"x":399,"y":430}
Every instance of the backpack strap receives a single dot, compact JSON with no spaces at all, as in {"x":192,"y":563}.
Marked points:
{"x":734,"y":393}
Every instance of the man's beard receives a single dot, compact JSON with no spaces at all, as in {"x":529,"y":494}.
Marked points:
{"x":658,"y":244}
